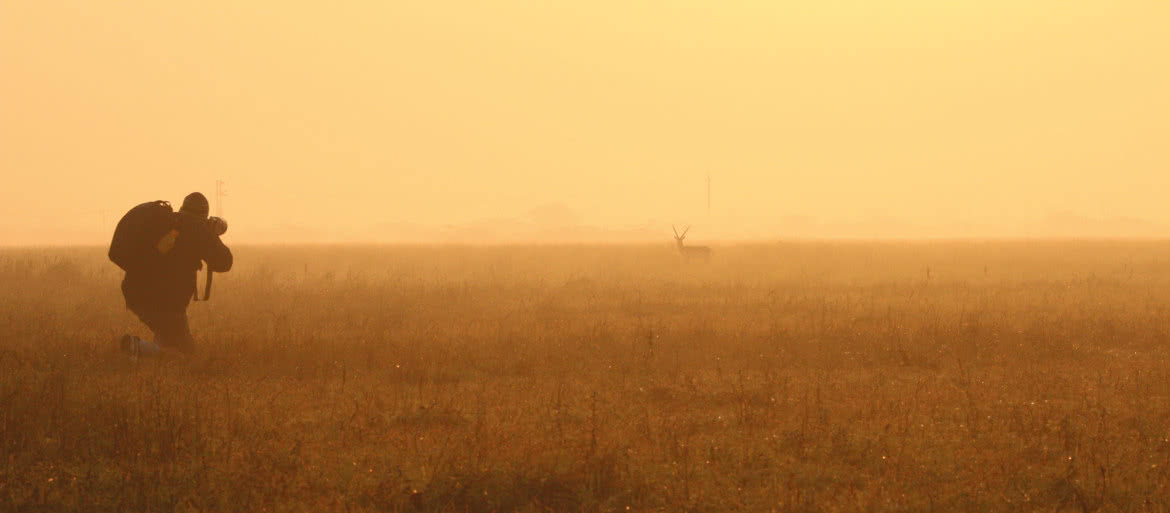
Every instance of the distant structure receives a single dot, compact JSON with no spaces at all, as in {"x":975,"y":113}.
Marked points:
{"x":708,"y":194}
{"x":689,"y":252}
{"x":553,"y":215}
{"x":220,"y":192}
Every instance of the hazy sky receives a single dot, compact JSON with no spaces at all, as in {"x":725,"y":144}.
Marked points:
{"x":851,"y":117}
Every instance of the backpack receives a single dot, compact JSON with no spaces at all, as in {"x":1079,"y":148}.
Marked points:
{"x":143,"y":235}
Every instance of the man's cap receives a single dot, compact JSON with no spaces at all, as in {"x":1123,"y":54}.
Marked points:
{"x":196,"y":204}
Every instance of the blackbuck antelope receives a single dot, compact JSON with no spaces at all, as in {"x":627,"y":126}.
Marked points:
{"x":688,"y":252}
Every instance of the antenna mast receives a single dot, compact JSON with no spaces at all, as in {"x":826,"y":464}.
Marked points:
{"x":708,"y":194}
{"x":220,"y":192}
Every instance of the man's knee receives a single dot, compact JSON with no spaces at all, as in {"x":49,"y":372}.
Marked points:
{"x":174,"y":332}
{"x":170,"y":328}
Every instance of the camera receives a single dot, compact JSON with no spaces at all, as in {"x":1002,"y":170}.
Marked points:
{"x":217,"y":224}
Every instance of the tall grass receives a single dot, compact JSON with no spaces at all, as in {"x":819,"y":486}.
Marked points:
{"x":980,"y":376}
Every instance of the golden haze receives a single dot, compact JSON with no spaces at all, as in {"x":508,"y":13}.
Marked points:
{"x":417,"y":120}
{"x":812,"y":376}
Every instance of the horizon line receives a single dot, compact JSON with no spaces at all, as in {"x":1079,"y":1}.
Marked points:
{"x":706,"y":242}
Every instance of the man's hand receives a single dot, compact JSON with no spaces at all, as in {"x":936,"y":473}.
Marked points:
{"x":218,"y":225}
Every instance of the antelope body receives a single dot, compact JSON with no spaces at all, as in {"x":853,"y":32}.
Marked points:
{"x":689,"y":252}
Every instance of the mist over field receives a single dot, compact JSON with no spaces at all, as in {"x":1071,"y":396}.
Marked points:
{"x":972,"y":376}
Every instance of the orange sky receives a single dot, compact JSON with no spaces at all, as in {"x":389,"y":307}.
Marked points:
{"x":391,"y":120}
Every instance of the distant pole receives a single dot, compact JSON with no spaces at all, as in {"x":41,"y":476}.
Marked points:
{"x":220,"y":192}
{"x":708,"y":194}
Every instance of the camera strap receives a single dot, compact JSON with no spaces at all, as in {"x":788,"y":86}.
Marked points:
{"x":206,"y":288}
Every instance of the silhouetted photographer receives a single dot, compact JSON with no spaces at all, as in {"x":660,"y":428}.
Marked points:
{"x":162,"y":251}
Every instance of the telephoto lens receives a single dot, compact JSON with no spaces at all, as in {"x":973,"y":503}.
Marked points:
{"x":218,"y":225}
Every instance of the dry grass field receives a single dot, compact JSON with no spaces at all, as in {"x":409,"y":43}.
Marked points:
{"x":974,"y":376}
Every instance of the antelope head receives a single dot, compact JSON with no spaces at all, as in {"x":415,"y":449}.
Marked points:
{"x":679,"y":238}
